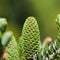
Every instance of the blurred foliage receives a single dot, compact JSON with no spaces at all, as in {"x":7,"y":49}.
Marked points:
{"x":45,"y":11}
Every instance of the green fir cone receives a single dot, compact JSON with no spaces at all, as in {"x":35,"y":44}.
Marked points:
{"x":58,"y":27}
{"x":10,"y":46}
{"x":31,"y":38}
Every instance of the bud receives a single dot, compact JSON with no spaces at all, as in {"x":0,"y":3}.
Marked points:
{"x":48,"y":40}
{"x":5,"y":55}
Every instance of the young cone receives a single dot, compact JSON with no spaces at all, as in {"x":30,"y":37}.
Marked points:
{"x":31,"y":38}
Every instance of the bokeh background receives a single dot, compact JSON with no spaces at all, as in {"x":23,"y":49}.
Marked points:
{"x":45,"y":11}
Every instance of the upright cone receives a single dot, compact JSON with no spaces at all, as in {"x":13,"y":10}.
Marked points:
{"x":31,"y":38}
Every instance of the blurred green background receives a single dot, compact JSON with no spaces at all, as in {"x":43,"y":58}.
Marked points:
{"x":45,"y":11}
